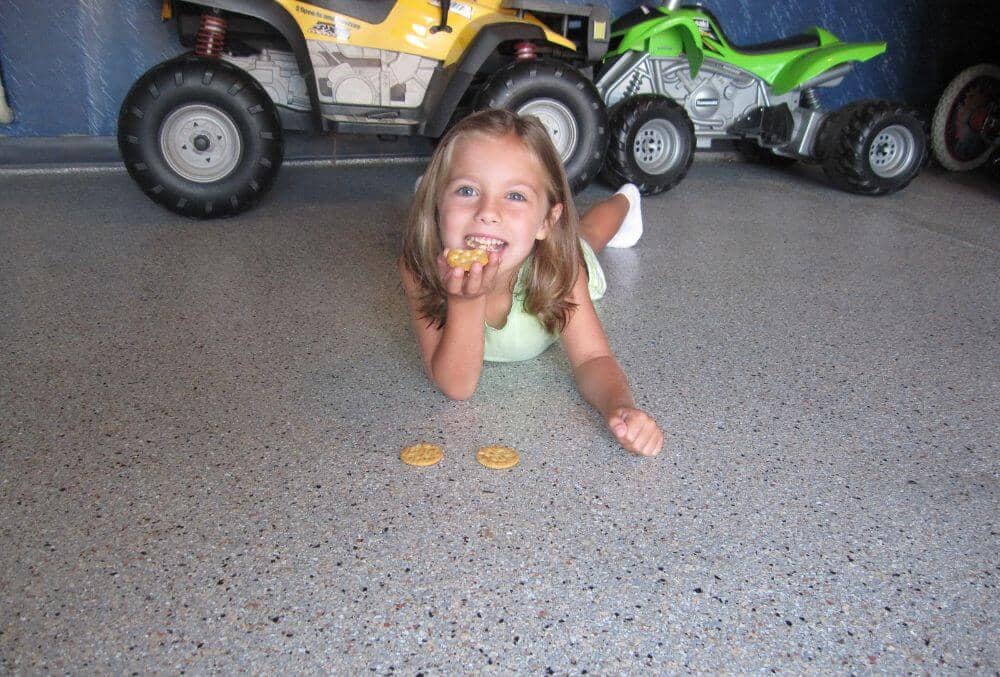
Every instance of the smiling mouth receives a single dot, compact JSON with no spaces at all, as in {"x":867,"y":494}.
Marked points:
{"x":488,"y":244}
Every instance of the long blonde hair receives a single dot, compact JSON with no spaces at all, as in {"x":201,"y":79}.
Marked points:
{"x":555,"y":260}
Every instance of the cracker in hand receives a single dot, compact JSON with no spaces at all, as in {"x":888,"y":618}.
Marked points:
{"x":464,"y":258}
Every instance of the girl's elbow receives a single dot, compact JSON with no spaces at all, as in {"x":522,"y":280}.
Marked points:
{"x":459,"y":393}
{"x":454,"y":383}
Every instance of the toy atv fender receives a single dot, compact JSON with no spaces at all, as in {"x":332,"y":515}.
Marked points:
{"x":202,"y":134}
{"x":675,"y":82}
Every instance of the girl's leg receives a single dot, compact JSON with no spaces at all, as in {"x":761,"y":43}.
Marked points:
{"x":600,"y":223}
{"x":614,"y":222}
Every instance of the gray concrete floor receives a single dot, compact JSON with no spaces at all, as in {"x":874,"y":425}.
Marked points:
{"x":201,"y":423}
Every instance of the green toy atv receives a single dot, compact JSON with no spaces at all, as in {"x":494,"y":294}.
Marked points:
{"x":202,"y":134}
{"x":674,"y":82}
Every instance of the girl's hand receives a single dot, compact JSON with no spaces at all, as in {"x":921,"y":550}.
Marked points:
{"x":636,"y":431}
{"x":478,"y":281}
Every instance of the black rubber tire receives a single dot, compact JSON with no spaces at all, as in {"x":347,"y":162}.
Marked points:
{"x":846,"y":140}
{"x":759,"y":155}
{"x":627,"y":119}
{"x":222,"y":87}
{"x":523,"y":84}
{"x":951,"y":118}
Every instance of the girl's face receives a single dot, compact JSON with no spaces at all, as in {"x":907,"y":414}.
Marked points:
{"x":494,"y":198}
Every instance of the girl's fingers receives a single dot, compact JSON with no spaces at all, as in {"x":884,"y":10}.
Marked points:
{"x":474,"y":280}
{"x":454,"y":281}
{"x":443,"y":268}
{"x":489,"y":272}
{"x":493,"y":265}
{"x":617,"y":426}
{"x":657,"y":443}
{"x":645,"y":444}
{"x":636,"y":422}
{"x":636,"y":431}
{"x":652,"y":443}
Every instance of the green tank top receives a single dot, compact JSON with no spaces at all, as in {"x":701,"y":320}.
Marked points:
{"x":523,"y":336}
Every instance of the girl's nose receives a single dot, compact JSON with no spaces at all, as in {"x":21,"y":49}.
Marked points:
{"x":489,"y":212}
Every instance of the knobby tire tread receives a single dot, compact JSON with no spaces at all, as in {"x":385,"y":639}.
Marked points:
{"x":623,"y":120}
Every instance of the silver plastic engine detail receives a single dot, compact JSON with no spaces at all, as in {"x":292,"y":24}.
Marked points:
{"x":278,"y":73}
{"x":713,"y":99}
{"x":350,"y":75}
{"x":344,"y":75}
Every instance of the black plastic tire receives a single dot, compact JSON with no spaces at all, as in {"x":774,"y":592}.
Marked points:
{"x":191,"y":109}
{"x":873,"y":147}
{"x":758,"y":154}
{"x":652,"y":144}
{"x":565,"y":101}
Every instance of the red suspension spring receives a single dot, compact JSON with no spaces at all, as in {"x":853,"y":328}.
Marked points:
{"x":525,"y":51}
{"x":211,"y":35}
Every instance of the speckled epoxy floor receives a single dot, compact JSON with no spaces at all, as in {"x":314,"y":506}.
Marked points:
{"x":201,"y":421}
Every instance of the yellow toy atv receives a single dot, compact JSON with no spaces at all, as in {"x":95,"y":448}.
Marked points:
{"x":202,"y":133}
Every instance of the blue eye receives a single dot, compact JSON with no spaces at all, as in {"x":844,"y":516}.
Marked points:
{"x":517,"y":196}
{"x":466,"y":191}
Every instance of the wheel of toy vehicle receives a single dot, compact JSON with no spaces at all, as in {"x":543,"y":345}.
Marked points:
{"x":873,"y":147}
{"x":956,"y":137}
{"x":200,"y":136}
{"x":565,"y":102}
{"x":758,"y":154}
{"x":652,"y":144}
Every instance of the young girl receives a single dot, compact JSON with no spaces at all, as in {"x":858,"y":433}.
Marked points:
{"x":495,"y":182}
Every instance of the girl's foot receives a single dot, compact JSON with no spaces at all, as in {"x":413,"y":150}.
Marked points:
{"x":631,"y":229}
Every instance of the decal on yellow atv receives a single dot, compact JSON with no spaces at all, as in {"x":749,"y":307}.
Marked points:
{"x":346,"y":74}
{"x":407,"y":28}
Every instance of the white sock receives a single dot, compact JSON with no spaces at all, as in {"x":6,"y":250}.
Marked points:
{"x":631,"y":229}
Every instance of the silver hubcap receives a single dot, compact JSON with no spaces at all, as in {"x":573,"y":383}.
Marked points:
{"x":657,"y":147}
{"x":200,"y":143}
{"x":559,"y":122}
{"x":892,"y":151}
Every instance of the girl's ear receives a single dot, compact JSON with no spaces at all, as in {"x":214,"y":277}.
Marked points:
{"x":555,"y":213}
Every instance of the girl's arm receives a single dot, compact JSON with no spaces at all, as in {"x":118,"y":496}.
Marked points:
{"x":453,"y":355}
{"x":600,"y":379}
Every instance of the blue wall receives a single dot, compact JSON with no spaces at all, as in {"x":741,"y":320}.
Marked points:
{"x":67,"y":65}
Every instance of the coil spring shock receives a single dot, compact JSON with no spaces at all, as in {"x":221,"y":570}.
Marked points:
{"x":810,"y":99}
{"x":633,"y":85}
{"x":211,"y":35}
{"x":525,"y":51}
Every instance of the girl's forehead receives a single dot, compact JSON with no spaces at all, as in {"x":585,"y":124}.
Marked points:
{"x":506,"y":154}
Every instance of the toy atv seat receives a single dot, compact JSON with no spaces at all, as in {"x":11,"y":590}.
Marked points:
{"x":202,"y":134}
{"x":800,"y":41}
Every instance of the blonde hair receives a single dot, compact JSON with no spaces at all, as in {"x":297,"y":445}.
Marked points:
{"x":556,"y":259}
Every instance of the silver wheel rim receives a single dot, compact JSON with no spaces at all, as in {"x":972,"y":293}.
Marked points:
{"x":892,"y":151}
{"x":657,"y":146}
{"x":558,"y":120}
{"x":200,"y":143}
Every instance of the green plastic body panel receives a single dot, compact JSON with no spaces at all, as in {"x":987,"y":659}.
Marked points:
{"x":670,"y":35}
{"x":677,"y":32}
{"x":816,"y":61}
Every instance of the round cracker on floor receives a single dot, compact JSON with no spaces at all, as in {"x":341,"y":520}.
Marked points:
{"x":497,"y":457}
{"x":422,"y":454}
